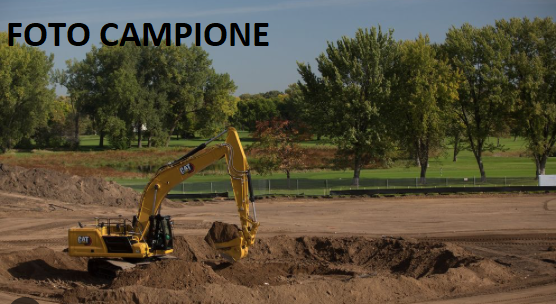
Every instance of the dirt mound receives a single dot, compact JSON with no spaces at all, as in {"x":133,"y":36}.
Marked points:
{"x":169,"y":274}
{"x":279,"y":269}
{"x":67,"y":188}
{"x":307,"y":270}
{"x":221,"y":232}
{"x":43,"y":272}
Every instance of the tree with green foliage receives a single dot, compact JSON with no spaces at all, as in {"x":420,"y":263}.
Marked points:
{"x":125,"y":89}
{"x":353,"y":89}
{"x":186,"y":69}
{"x":293,"y":109}
{"x":424,"y":92}
{"x":219,"y":104}
{"x":252,"y":109}
{"x":74,"y":79}
{"x":90,"y":84}
{"x":485,"y":96}
{"x":24,"y":91}
{"x":532,"y":71}
{"x":58,"y":131}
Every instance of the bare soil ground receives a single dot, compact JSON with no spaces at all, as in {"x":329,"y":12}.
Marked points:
{"x":451,"y":249}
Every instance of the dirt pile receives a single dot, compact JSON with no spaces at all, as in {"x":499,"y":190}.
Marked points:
{"x":43,"y":272}
{"x":306,"y":269}
{"x":221,"y":232}
{"x":169,"y":274}
{"x":67,"y":188}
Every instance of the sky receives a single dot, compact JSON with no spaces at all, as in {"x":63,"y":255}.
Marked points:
{"x":298,"y":31}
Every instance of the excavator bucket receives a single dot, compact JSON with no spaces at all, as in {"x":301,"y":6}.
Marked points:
{"x":228,"y":240}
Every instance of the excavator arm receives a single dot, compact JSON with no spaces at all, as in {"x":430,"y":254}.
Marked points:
{"x":193,"y":162}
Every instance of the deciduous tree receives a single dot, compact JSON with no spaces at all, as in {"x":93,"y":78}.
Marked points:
{"x":485,"y":96}
{"x":532,"y":71}
{"x":24,"y":91}
{"x":347,"y":98}
{"x":277,"y":140}
{"x":424,"y":91}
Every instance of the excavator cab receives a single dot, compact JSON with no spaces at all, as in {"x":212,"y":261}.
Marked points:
{"x":160,"y":236}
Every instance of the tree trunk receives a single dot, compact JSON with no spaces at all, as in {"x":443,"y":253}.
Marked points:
{"x":456,"y":148}
{"x":149,"y":141}
{"x":423,"y":155}
{"x":424,"y":165}
{"x":356,"y":170}
{"x":101,"y":142}
{"x":478,"y":152}
{"x":139,"y":135}
{"x":288,"y":178}
{"x":482,"y":170}
{"x":416,"y":146}
{"x":174,"y":125}
{"x":540,"y":162}
{"x":130,"y":137}
{"x":478,"y":157}
{"x":76,"y":134}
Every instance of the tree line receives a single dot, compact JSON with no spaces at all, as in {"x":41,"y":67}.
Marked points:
{"x":373,"y":97}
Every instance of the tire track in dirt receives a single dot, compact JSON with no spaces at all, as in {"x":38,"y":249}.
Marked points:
{"x":498,"y":252}
{"x":545,"y":205}
{"x":39,"y":229}
{"x":33,"y":242}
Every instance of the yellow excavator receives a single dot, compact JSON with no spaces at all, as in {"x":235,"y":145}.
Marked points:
{"x":115,"y":244}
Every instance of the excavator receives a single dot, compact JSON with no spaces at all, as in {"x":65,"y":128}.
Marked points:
{"x":115,"y":244}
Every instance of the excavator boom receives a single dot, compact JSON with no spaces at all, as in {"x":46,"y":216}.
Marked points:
{"x":150,"y":234}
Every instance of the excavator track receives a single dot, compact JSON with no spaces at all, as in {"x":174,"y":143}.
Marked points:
{"x":106,"y":268}
{"x":109,"y":268}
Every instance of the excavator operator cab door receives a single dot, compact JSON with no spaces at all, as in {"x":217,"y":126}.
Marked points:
{"x":160,"y":236}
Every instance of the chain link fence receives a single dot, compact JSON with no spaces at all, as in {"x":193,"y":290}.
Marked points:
{"x":324,"y":186}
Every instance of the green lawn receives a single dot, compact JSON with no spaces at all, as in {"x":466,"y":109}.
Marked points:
{"x":90,"y":142}
{"x":512,"y":162}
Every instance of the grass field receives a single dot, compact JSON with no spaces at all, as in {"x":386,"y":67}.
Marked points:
{"x":123,"y":166}
{"x":90,"y":142}
{"x":499,"y":164}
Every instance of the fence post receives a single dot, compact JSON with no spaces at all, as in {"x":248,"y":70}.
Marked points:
{"x":446,"y":182}
{"x":416,"y":184}
{"x":268,"y":186}
{"x":326,"y":184}
{"x":473,"y":180}
{"x":386,"y":183}
{"x":297,"y":182}
{"x":211,"y":187}
{"x":504,"y":181}
{"x":182,"y":188}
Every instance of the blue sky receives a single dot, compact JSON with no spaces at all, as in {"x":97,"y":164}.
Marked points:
{"x":298,"y":30}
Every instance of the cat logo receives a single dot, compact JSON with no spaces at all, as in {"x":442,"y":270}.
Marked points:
{"x":186,"y":169}
{"x":85,"y":240}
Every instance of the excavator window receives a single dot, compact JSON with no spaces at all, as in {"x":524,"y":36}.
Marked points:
{"x":160,"y":235}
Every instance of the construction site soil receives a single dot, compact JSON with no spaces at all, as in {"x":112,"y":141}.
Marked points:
{"x":470,"y":249}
